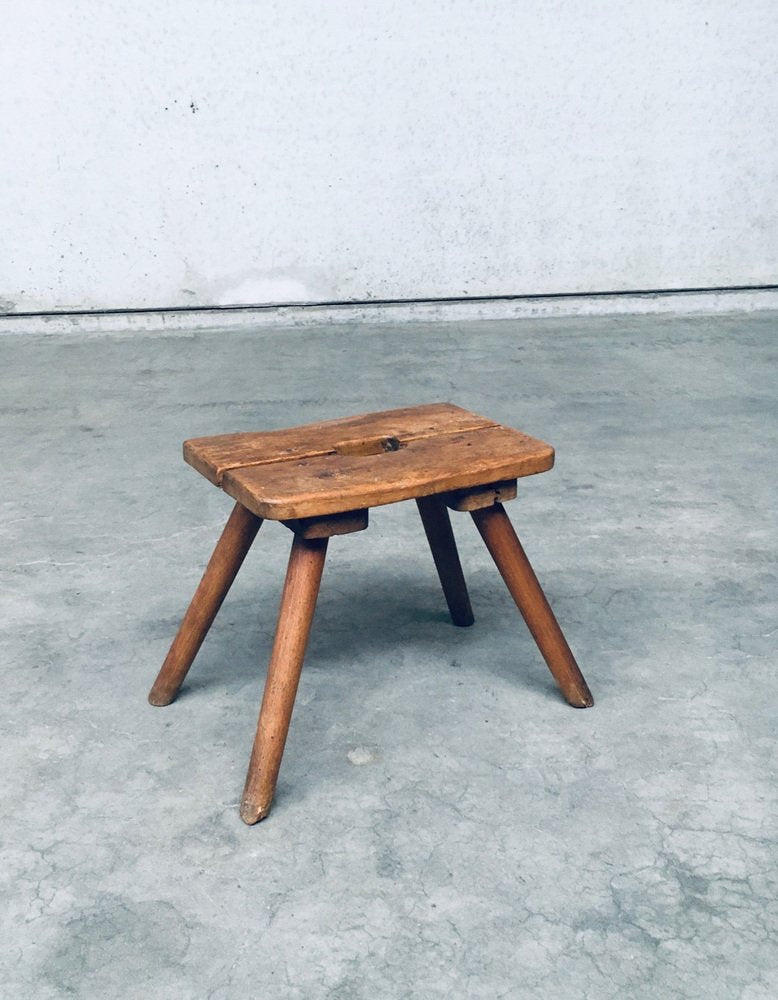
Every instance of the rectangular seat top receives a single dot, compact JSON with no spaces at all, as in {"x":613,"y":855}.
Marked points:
{"x":365,"y":461}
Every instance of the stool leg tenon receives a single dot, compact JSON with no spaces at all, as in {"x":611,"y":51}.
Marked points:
{"x":298,"y":603}
{"x":511,"y":560}
{"x":235,"y":541}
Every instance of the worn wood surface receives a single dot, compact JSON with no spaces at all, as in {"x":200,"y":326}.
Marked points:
{"x":360,"y":462}
{"x":437,"y":526}
{"x":482,"y":496}
{"x":327,"y":484}
{"x":298,"y":603}
{"x":331,"y":524}
{"x":511,"y":560}
{"x":235,"y":541}
{"x":213,"y":456}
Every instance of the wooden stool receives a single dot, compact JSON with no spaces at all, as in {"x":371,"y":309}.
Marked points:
{"x":320,"y":480}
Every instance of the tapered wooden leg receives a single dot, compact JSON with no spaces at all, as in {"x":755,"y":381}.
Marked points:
{"x":507,"y":552}
{"x":298,"y":603}
{"x":235,"y":541}
{"x":437,"y":526}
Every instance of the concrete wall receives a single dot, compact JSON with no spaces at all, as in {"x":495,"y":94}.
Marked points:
{"x":198,"y":153}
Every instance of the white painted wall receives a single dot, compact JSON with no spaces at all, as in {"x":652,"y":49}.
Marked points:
{"x":194,"y":153}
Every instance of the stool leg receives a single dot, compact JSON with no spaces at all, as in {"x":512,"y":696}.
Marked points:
{"x":235,"y":541}
{"x":437,"y":526}
{"x":298,"y":603}
{"x":507,"y":552}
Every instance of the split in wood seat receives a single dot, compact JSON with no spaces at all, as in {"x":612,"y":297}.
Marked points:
{"x":320,"y":480}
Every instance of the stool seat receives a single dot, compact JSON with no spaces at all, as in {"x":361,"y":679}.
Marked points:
{"x":320,"y":480}
{"x":365,"y":461}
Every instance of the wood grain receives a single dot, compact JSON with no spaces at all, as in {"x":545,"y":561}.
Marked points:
{"x":215,"y":455}
{"x":511,"y":560}
{"x":437,"y":527}
{"x":331,"y":524}
{"x":481,"y":496}
{"x":298,"y":603}
{"x":235,"y":541}
{"x":327,"y":484}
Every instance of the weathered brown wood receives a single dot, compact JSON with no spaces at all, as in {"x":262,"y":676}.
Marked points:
{"x":507,"y":552}
{"x":320,"y":480}
{"x":437,"y":527}
{"x":482,"y":496}
{"x":332,"y":524}
{"x":235,"y":541}
{"x":298,"y":603}
{"x":372,"y":445}
{"x":327,"y":484}
{"x":213,"y":456}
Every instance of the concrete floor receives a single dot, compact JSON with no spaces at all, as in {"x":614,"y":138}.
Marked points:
{"x":445,"y":826}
